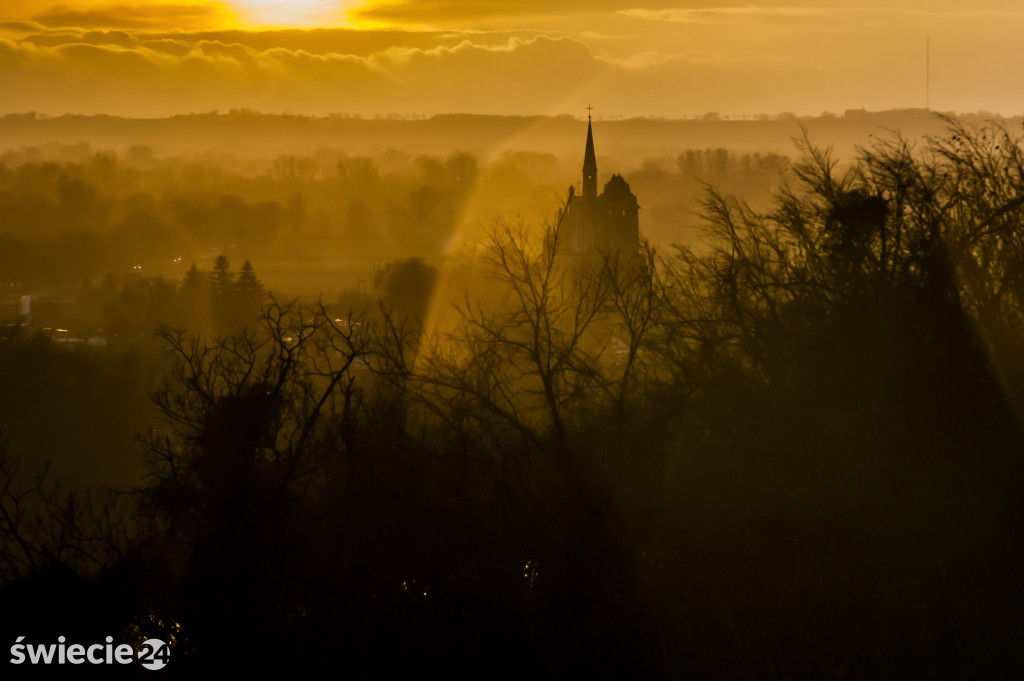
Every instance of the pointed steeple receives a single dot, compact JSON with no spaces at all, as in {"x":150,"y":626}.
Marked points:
{"x":589,"y":165}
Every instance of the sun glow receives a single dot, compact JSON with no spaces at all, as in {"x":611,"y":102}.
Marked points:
{"x":298,"y":13}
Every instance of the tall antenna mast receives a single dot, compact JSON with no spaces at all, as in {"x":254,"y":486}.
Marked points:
{"x":928,"y":72}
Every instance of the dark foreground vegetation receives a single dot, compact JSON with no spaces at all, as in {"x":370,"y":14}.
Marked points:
{"x":796,"y":453}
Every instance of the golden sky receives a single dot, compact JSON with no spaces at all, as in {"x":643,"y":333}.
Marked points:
{"x":630,"y":58}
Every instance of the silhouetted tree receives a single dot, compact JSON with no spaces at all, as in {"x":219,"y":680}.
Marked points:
{"x":194,"y":298}
{"x":248,"y":284}
{"x":793,"y":451}
{"x":248,"y":420}
{"x":222,"y":284}
{"x":407,"y":286}
{"x":221,"y":279}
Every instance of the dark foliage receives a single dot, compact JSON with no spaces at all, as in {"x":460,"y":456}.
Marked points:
{"x":794,"y":452}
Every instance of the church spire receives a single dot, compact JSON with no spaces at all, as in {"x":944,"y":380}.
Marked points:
{"x":589,"y":164}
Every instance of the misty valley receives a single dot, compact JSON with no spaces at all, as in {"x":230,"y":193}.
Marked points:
{"x":442,"y":411}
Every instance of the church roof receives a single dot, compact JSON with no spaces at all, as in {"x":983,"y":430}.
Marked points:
{"x":589,"y":157}
{"x":617,"y":188}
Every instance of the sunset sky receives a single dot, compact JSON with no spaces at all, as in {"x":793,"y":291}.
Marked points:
{"x":414,"y":57}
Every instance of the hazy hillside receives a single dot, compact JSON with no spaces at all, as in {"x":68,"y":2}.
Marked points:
{"x":249,"y":134}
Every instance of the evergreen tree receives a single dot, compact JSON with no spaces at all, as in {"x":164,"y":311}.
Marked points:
{"x":222,"y":286}
{"x":248,"y":294}
{"x":247,"y":283}
{"x":193,"y":298}
{"x":221,"y":279}
{"x":193,"y":281}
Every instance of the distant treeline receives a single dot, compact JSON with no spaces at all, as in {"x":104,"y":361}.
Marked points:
{"x":75,"y":220}
{"x":251,"y":135}
{"x":62,"y":223}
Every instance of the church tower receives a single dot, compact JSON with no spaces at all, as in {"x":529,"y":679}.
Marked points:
{"x":589,"y":166}
{"x":606,"y":224}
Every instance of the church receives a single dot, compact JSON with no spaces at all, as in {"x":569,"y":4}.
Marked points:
{"x":605,"y":223}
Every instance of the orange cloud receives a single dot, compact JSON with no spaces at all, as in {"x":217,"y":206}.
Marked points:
{"x":149,"y":79}
{"x":655,"y":62}
{"x":139,"y":16}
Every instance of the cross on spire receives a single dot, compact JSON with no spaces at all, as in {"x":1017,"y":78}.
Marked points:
{"x":589,"y":163}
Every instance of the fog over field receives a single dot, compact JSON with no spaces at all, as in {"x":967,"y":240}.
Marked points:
{"x":325,"y":200}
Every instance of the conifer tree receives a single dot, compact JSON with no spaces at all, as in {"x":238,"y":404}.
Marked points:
{"x":221,"y":279}
{"x":192,"y":298}
{"x":222,"y":285}
{"x":248,"y":294}
{"x":247,"y":283}
{"x":193,"y":281}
